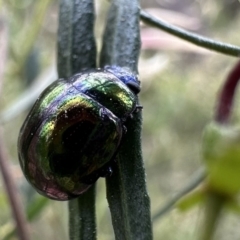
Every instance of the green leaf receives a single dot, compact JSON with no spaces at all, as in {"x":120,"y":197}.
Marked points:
{"x":82,"y":223}
{"x":121,"y":40}
{"x":126,"y":189}
{"x":77,"y":51}
{"x":76,"y":43}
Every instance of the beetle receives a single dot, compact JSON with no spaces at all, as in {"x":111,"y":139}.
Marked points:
{"x":73,"y":132}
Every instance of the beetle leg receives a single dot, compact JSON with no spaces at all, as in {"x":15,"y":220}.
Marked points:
{"x":138,"y":108}
{"x":124,"y":129}
{"x":106,"y":172}
{"x":90,"y":179}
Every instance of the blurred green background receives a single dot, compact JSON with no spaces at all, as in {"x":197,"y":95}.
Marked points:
{"x":179,"y":87}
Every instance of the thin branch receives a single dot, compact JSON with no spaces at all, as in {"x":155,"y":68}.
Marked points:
{"x":221,"y":47}
{"x":12,"y":192}
{"x":197,"y":178}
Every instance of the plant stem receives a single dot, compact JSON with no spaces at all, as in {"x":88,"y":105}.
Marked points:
{"x":213,"y":209}
{"x":13,"y":195}
{"x":196,"y":39}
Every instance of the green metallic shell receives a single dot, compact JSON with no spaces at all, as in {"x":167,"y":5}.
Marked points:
{"x":73,"y":131}
{"x":107,"y":90}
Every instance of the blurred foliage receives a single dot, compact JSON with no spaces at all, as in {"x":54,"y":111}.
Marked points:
{"x":179,"y":87}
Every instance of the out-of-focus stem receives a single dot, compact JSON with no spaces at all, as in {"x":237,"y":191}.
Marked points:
{"x":12,"y":192}
{"x":194,"y":181}
{"x":213,"y":209}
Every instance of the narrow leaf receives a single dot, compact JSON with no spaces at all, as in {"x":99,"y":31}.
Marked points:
{"x":82,"y":216}
{"x":121,"y":40}
{"x":76,"y":44}
{"x":77,"y":51}
{"x":126,"y":189}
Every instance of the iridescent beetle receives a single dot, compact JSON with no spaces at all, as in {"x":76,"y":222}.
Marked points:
{"x":71,"y":135}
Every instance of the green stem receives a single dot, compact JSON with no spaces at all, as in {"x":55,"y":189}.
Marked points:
{"x":213,"y":209}
{"x":196,"y":39}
